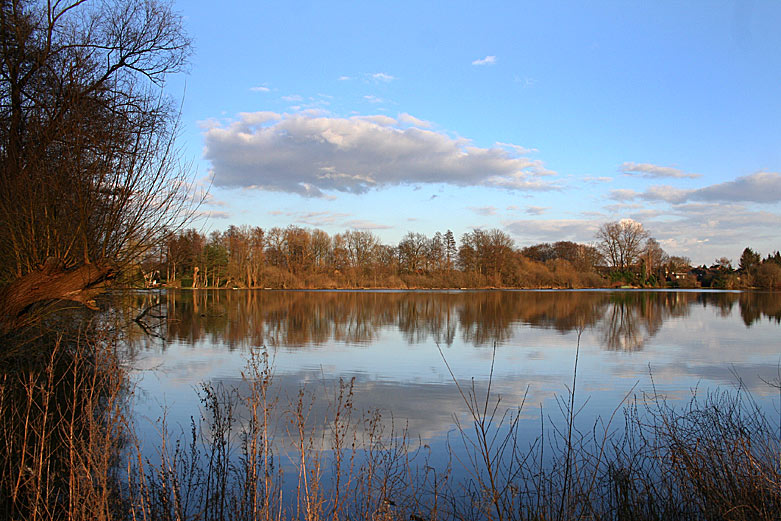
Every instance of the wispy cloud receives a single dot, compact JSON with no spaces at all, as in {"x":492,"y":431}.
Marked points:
{"x":706,"y":230}
{"x":324,"y":218}
{"x":339,"y":220}
{"x":208,"y":199}
{"x":483,"y":210}
{"x":536,"y":210}
{"x":319,"y":218}
{"x":344,"y":78}
{"x":259,"y":88}
{"x":551,"y":230}
{"x":413,"y":121}
{"x":526,"y":81}
{"x":488,"y":60}
{"x":517,"y":148}
{"x":302,"y":104}
{"x":366,"y":225}
{"x":371,"y":98}
{"x":761,"y":187}
{"x":623,"y":194}
{"x":378,"y":119}
{"x":383,"y":77}
{"x":655,"y":171}
{"x":212,"y":214}
{"x":308,"y":154}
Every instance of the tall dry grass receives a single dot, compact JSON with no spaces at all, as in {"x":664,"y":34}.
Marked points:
{"x":68,"y":451}
{"x":62,"y":419}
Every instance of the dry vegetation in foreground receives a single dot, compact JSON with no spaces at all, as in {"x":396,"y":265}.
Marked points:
{"x":67,"y":451}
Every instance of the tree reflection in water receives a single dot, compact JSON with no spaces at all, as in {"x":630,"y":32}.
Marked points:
{"x":625,"y":320}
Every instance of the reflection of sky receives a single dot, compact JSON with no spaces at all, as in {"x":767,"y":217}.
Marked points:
{"x":699,"y":348}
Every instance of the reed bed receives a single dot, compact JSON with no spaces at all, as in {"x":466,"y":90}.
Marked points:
{"x":68,"y":451}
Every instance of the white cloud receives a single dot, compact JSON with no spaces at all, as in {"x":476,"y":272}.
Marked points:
{"x":319,"y":218}
{"x":293,"y":98}
{"x":705,"y":231}
{"x":761,"y":187}
{"x":645,"y":214}
{"x":207,"y":199}
{"x":259,"y":88}
{"x":344,"y":78}
{"x":252,"y":119}
{"x":668,"y":194}
{"x":552,"y":230}
{"x":413,"y":121}
{"x":307,"y":154}
{"x":536,"y":210}
{"x":213,"y":214}
{"x":524,"y":180}
{"x":623,"y":194}
{"x":526,"y":82}
{"x":488,"y":60}
{"x":379,"y":119}
{"x":619,"y":208}
{"x":366,"y":225}
{"x":336,"y":219}
{"x":517,"y":148}
{"x":483,"y":210}
{"x":381,"y":76}
{"x":324,"y":218}
{"x":655,"y":171}
{"x":371,"y":98}
{"x":701,"y":231}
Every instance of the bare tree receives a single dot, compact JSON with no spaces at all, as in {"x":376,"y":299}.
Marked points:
{"x":436,"y":256}
{"x":621,"y":242}
{"x":362,"y":247}
{"x":486,"y":252}
{"x":90,"y":171}
{"x":653,"y":257}
{"x":412,"y":252}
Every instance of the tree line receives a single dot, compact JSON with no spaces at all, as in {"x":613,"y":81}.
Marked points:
{"x":295,"y":257}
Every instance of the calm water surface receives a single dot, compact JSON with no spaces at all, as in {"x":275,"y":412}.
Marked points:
{"x":395,"y":344}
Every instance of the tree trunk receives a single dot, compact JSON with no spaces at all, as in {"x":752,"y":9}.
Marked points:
{"x":52,"y":282}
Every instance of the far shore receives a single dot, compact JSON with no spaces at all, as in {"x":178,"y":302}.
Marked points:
{"x":444,"y":288}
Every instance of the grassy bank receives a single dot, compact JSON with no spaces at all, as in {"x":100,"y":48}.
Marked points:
{"x":69,"y":452}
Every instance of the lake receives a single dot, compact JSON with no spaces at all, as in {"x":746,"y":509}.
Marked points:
{"x":401,"y":346}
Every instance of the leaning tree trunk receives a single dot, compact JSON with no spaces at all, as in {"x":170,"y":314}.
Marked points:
{"x":49,"y":283}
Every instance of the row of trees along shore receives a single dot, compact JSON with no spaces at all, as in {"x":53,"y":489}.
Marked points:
{"x":294,"y":257}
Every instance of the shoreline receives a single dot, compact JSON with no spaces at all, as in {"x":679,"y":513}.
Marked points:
{"x":422,"y":289}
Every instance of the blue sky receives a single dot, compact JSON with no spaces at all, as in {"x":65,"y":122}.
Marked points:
{"x":542,"y":119}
